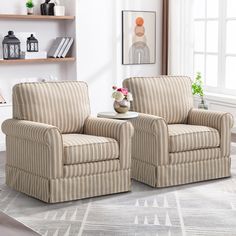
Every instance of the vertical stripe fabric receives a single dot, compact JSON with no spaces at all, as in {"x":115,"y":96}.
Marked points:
{"x":191,"y":137}
{"x":61,"y":104}
{"x":68,"y":189}
{"x":80,"y":148}
{"x":173,"y":143}
{"x":122,"y":131}
{"x":34,"y":147}
{"x":56,"y":152}
{"x":150,"y":141}
{"x":222,"y":121}
{"x":169,"y":97}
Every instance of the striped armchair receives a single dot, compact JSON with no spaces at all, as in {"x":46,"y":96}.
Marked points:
{"x":56,"y":152}
{"x":174,"y":143}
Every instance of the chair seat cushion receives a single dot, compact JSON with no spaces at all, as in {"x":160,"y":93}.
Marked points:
{"x":191,"y":137}
{"x":80,"y":148}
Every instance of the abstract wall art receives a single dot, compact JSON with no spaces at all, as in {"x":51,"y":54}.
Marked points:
{"x":138,"y":37}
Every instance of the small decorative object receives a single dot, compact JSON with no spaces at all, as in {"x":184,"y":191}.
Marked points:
{"x":138,"y":37}
{"x":122,"y":99}
{"x":58,"y":9}
{"x":32,"y":44}
{"x":2,"y":100}
{"x":30,"y":7}
{"x":11,"y":46}
{"x":197,"y":88}
{"x":47,"y":8}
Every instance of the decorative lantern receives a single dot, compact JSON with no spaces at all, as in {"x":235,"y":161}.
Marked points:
{"x":11,"y":46}
{"x":32,"y":44}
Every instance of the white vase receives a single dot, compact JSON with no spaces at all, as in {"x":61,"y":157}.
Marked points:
{"x":59,"y":11}
{"x":30,"y":11}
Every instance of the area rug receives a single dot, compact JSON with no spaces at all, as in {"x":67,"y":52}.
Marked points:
{"x":206,"y":208}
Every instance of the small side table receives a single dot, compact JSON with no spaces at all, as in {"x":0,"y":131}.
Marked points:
{"x":119,"y":116}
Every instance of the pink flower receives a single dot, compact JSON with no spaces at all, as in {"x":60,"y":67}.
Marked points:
{"x":123,"y":90}
{"x":114,"y":87}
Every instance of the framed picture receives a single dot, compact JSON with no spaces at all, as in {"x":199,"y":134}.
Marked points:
{"x":138,"y":37}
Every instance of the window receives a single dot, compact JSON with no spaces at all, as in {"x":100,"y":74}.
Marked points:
{"x":215,"y":44}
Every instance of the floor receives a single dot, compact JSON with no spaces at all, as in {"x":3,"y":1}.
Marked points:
{"x":207,"y":208}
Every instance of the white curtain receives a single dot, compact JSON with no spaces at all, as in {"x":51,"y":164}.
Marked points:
{"x":181,"y":40}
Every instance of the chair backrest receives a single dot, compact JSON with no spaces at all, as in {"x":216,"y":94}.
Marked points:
{"x":169,"y":97}
{"x":63,"y":104}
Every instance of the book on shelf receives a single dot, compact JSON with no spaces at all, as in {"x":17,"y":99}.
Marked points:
{"x":2,"y":100}
{"x":67,"y":39}
{"x":35,"y":55}
{"x":56,"y":47}
{"x":68,"y":47}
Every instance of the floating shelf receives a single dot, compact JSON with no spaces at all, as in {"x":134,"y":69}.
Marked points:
{"x":46,"y":60}
{"x":35,"y":17}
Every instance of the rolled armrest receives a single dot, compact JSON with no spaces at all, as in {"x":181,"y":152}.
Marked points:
{"x":122,"y":131}
{"x":34,"y":131}
{"x":222,"y":121}
{"x":34,"y":147}
{"x":151,"y":140}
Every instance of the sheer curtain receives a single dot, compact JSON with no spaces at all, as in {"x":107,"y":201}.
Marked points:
{"x":181,"y":40}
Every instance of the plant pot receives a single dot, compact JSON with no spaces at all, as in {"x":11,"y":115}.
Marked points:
{"x":203,"y":105}
{"x":122,"y":106}
{"x":59,"y":11}
{"x":30,"y":11}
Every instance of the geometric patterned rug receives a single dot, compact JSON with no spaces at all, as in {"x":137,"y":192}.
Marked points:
{"x":206,"y":208}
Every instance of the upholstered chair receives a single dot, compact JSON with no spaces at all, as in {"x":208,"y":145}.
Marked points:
{"x":174,"y":143}
{"x":56,"y":152}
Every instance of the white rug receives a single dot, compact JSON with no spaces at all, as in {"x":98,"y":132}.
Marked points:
{"x":207,"y":208}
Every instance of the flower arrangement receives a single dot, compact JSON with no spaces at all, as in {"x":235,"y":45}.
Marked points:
{"x":122,"y":99}
{"x":120,"y":94}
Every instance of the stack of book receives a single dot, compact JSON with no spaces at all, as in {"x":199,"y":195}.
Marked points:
{"x":34,"y":55}
{"x":60,"y":48}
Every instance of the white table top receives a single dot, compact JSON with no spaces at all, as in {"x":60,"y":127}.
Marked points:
{"x":114,"y":115}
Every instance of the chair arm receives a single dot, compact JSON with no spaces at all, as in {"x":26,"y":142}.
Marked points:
{"x":34,"y":147}
{"x":122,"y":131}
{"x":222,"y":121}
{"x":151,"y":139}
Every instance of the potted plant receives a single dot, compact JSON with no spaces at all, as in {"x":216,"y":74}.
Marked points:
{"x":30,"y":7}
{"x":122,"y":99}
{"x":197,"y":89}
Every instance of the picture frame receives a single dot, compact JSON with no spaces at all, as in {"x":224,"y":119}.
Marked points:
{"x":138,"y":37}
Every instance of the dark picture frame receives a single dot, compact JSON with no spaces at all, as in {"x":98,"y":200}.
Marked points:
{"x":138,"y":37}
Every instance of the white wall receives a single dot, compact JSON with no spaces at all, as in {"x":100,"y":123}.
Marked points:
{"x":98,"y":51}
{"x":99,"y":34}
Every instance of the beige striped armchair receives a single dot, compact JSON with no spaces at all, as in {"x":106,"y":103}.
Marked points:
{"x":174,"y":143}
{"x":56,"y":152}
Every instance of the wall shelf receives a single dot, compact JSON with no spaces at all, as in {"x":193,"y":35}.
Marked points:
{"x":46,"y":60}
{"x":35,"y":17}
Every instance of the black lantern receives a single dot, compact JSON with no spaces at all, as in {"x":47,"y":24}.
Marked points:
{"x":32,"y":44}
{"x":11,"y":46}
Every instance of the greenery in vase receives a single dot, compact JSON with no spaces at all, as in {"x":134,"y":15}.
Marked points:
{"x":197,"y":86}
{"x":29,"y":4}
